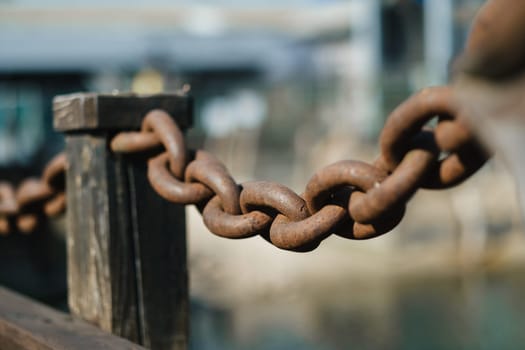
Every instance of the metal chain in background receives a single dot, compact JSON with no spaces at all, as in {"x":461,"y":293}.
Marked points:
{"x":352,"y":199}
{"x":36,"y":198}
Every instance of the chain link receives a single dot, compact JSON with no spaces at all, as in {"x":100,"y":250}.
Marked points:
{"x":451,"y":136}
{"x":352,"y":199}
{"x":26,"y":207}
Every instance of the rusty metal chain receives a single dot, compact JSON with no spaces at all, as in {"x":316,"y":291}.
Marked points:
{"x":34,"y":199}
{"x":352,"y":199}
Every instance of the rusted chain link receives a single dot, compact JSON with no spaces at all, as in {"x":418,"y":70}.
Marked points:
{"x":35,"y":198}
{"x":352,"y":199}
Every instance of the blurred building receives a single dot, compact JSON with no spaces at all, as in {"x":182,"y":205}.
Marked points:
{"x":347,"y":61}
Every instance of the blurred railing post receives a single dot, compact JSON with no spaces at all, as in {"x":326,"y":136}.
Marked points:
{"x":126,"y":246}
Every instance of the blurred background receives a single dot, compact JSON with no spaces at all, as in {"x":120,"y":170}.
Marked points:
{"x":282,"y":88}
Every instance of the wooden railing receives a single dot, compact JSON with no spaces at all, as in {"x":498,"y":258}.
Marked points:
{"x":28,"y":325}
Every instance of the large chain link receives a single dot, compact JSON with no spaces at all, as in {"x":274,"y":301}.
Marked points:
{"x":352,"y":199}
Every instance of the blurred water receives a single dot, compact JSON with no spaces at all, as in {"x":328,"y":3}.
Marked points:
{"x":478,"y":311}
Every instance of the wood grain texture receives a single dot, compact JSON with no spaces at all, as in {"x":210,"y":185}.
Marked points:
{"x":127,"y":270}
{"x":27,"y":325}
{"x":159,"y":231}
{"x":101,"y":269}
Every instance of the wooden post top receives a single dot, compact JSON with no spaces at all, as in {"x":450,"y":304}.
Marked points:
{"x":121,"y":111}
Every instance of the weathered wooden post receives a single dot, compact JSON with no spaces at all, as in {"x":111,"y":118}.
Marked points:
{"x":126,"y":246}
